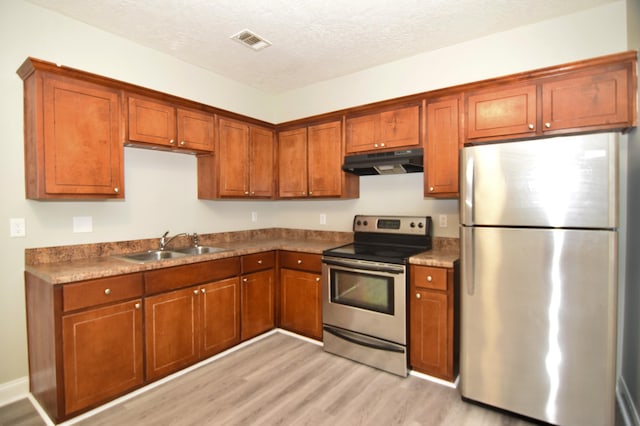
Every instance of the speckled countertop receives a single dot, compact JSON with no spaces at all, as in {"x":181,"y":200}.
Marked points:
{"x":65,"y":264}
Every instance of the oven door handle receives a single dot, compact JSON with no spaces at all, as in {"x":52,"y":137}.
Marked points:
{"x":388,"y":269}
{"x":362,"y":341}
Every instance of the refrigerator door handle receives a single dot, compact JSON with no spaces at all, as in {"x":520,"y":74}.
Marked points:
{"x":468,"y":266}
{"x":466,"y":186}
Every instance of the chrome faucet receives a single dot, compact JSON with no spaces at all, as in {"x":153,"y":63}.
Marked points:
{"x":164,"y":242}
{"x":194,"y":236}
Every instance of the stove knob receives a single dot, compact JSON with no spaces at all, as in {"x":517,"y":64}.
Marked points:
{"x":366,"y":223}
{"x":413,"y":225}
{"x":420,"y":225}
{"x":358,"y":222}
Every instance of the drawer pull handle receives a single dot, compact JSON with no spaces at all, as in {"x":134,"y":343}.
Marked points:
{"x":107,"y":291}
{"x":429,"y":278}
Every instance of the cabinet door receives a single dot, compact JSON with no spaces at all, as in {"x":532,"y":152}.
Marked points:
{"x":505,"y":114}
{"x":301,"y":305}
{"x":325,"y":160}
{"x":102,"y":352}
{"x":400,"y":127}
{"x":195,"y":130}
{"x":83,"y":150}
{"x":257,"y":303}
{"x":362,"y":133}
{"x":429,"y":337}
{"x":234,"y":158}
{"x":151,"y":122}
{"x":220,"y":316}
{"x":599,"y":100}
{"x":292,"y":163}
{"x":172,"y":331}
{"x":261,"y":162}
{"x":442,"y":146}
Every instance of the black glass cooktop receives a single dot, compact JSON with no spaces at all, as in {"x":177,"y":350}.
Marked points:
{"x":375,"y":252}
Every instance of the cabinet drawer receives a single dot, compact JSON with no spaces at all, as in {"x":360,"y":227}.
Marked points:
{"x":428,"y":277}
{"x":301,"y":261}
{"x":257,"y":262}
{"x":101,"y":291}
{"x":196,"y":273}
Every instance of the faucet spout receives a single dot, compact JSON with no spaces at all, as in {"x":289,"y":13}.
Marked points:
{"x":164,"y":242}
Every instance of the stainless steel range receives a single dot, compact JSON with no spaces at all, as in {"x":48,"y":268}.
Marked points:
{"x":364,"y":290}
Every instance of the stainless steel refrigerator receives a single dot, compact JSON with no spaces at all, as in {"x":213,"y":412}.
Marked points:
{"x":539,"y":277}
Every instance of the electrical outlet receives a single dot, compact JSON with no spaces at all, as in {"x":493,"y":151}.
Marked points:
{"x":442,"y":220}
{"x":17,"y":227}
{"x":254,"y":216}
{"x":82,"y":224}
{"x":323,"y":218}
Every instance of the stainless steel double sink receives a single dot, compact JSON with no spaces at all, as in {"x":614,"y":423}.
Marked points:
{"x":156,"y":255}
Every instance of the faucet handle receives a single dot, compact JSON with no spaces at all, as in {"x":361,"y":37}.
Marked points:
{"x":195,"y":239}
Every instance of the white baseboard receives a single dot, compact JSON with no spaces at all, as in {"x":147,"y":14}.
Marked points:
{"x":14,"y":390}
{"x":625,"y":402}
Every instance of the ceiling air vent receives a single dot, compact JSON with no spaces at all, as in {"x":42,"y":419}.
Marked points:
{"x":251,"y":39}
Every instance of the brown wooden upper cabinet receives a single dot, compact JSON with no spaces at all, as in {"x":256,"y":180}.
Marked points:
{"x":441,"y":147}
{"x":243,"y":165}
{"x":73,"y":136}
{"x":310,"y":163}
{"x":385,"y":130}
{"x":591,"y":99}
{"x":167,"y":126}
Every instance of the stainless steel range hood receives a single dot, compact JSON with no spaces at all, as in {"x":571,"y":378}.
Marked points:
{"x":385,"y":163}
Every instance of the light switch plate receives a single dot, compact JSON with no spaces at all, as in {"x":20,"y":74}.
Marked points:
{"x":323,"y":218}
{"x":443,"y":220}
{"x":82,"y":224}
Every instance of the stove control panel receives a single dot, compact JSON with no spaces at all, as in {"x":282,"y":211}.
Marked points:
{"x":408,"y":225}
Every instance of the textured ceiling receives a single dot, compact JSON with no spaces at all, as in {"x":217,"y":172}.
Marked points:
{"x":313,"y":40}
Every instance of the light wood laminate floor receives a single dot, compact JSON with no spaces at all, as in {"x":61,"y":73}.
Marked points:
{"x":282,"y":380}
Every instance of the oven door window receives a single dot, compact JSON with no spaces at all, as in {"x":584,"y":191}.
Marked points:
{"x":362,"y":290}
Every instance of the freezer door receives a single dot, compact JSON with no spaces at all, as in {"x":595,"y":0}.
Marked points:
{"x":559,"y":182}
{"x":538,"y":322}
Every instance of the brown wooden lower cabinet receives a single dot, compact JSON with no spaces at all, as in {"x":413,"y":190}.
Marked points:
{"x":300,"y":291}
{"x":258,"y":303}
{"x":433,"y":336}
{"x":186,"y":325}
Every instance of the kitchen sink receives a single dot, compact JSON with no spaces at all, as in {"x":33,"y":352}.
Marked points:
{"x":151,"y":256}
{"x":200,"y":250}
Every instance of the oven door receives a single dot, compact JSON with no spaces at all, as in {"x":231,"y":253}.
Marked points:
{"x":365,"y":297}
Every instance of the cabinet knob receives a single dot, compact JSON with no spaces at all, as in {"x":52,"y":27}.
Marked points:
{"x":531,"y":126}
{"x":107,"y":291}
{"x":317,"y":279}
{"x":547,"y":125}
{"x":382,"y":145}
{"x":246,"y":192}
{"x":137,"y":306}
{"x":304,"y":193}
{"x":310,"y":192}
{"x":375,"y":145}
{"x":182,"y":143}
{"x":259,"y":261}
{"x":418,"y":296}
{"x":253,"y":193}
{"x":116,"y":189}
{"x":244,"y":280}
{"x":299,"y":261}
{"x":195,"y":291}
{"x":429,"y":278}
{"x":171,"y":142}
{"x":431,"y":189}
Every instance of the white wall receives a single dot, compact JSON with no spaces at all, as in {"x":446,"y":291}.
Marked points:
{"x":161,"y":187}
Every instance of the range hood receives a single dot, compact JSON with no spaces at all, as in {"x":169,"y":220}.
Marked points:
{"x":385,"y":163}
